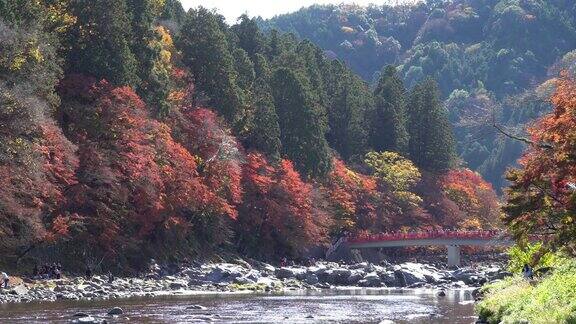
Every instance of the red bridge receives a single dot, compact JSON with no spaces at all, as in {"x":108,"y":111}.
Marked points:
{"x":451,"y":239}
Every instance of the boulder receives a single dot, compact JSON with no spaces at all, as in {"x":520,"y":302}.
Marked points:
{"x":116,"y":311}
{"x":285,"y":273}
{"x":400,"y":278}
{"x":19,"y":290}
{"x":312,"y":279}
{"x":388,"y":278}
{"x":355,"y":277}
{"x":370,"y":280}
{"x":340,"y":276}
{"x":225,"y":272}
{"x":177,"y":285}
{"x":196,"y":307}
{"x":356,"y":266}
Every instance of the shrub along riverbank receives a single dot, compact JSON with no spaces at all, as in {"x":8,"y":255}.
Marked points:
{"x":550,"y":298}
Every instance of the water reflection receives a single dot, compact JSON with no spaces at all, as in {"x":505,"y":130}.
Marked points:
{"x":336,"y":306}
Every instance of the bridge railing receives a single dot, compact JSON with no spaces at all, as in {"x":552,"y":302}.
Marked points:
{"x":426,"y":235}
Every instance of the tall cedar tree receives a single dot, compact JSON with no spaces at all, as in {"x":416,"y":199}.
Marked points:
{"x":431,"y":144}
{"x":100,"y":41}
{"x":301,"y":128}
{"x":265,"y":134}
{"x":349,"y":99}
{"x":206,"y":52}
{"x":388,"y":129}
{"x":250,"y":38}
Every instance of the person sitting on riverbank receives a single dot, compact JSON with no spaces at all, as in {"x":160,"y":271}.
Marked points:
{"x":45,"y":272}
{"x":5,"y":280}
{"x":527,"y":272}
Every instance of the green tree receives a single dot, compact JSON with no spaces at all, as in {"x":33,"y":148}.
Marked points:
{"x":388,"y":129}
{"x":265,"y":133}
{"x":206,"y":52}
{"x":99,"y":42}
{"x":349,"y":100}
{"x":431,"y":144}
{"x":301,"y":127}
{"x":250,"y":38}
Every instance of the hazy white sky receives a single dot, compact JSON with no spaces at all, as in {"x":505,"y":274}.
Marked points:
{"x":232,"y":9}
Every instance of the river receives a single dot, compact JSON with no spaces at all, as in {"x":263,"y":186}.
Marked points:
{"x":333,"y":306}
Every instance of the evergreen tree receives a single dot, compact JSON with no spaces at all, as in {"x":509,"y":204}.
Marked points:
{"x":301,"y":127}
{"x":245,"y":69}
{"x":388,"y":128}
{"x":99,"y":43}
{"x":350,"y":99}
{"x":261,"y":67}
{"x":206,"y":52}
{"x":431,"y":143}
{"x":147,"y":46}
{"x":250,"y":38}
{"x":265,"y":134}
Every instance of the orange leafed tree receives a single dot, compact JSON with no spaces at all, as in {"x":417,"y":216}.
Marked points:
{"x":277,"y":216}
{"x":542,"y":197}
{"x":135,"y":180}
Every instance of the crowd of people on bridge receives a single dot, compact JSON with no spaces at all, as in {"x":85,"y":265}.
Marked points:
{"x":422,"y":235}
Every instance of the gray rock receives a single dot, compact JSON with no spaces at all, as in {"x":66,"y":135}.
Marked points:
{"x":196,"y":307}
{"x":285,"y":273}
{"x":357,"y":266}
{"x":400,"y":278}
{"x":225,"y":272}
{"x":176,"y":285}
{"x":312,"y":279}
{"x":371,"y":280}
{"x":355,"y":277}
{"x":441,"y":293}
{"x":388,"y":278}
{"x":116,"y":311}
{"x":19,"y":290}
{"x":340,"y":276}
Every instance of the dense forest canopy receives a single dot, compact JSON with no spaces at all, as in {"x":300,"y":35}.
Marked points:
{"x":134,"y":129}
{"x":489,"y":57}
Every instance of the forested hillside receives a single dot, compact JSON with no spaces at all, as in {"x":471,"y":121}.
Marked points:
{"x":133,"y":129}
{"x":491,"y":58}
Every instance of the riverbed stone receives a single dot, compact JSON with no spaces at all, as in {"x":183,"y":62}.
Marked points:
{"x":176,"y":285}
{"x":340,"y":276}
{"x":312,"y":279}
{"x":371,"y":279}
{"x":285,"y":273}
{"x":116,"y":311}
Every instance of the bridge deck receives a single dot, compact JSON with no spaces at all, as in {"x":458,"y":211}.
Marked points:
{"x":428,"y":242}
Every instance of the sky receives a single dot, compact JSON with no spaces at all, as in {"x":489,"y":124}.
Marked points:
{"x":232,"y":9}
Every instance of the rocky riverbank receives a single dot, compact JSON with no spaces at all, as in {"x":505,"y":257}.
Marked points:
{"x":241,"y":276}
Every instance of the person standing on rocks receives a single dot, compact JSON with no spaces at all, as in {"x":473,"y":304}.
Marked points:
{"x":88,"y":273}
{"x":5,"y":280}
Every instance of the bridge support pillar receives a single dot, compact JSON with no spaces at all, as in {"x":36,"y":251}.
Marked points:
{"x":453,"y":255}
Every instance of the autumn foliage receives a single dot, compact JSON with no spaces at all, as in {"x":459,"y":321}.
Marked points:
{"x":542,"y":198}
{"x":135,"y":180}
{"x":277,"y":216}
